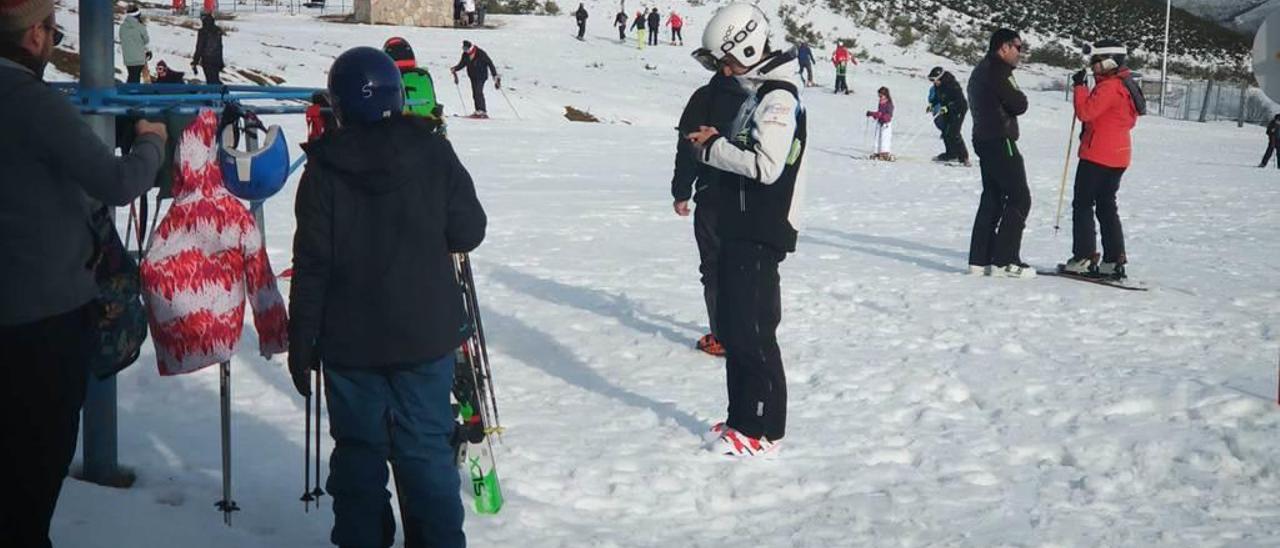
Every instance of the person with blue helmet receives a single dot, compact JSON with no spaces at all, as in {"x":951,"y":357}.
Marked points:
{"x":382,"y":205}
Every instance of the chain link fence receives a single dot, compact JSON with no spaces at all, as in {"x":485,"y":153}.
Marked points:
{"x":1209,"y":101}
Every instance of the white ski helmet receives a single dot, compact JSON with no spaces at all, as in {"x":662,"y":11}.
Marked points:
{"x":740,"y":31}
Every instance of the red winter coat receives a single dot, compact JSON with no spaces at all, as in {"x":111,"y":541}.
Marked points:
{"x":841,"y":56}
{"x":205,"y":259}
{"x":1108,"y":114}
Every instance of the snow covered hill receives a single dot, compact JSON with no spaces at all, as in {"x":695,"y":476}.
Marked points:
{"x":928,"y":407}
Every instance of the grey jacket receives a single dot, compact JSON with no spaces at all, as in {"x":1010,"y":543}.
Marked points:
{"x":134,"y":41}
{"x":52,"y":164}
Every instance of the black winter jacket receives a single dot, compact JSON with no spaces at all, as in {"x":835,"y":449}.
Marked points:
{"x":208,"y":45}
{"x":715,"y":104}
{"x":581,"y":14}
{"x":655,"y":20}
{"x":380,"y":208}
{"x":951,"y":96}
{"x":995,"y":101}
{"x":478,"y":66}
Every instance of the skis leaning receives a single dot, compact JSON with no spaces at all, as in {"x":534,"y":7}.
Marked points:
{"x":477,"y":406}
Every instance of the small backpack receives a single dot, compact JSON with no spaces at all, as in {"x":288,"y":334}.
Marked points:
{"x":121,"y":322}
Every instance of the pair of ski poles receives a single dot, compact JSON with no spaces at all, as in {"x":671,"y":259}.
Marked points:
{"x":463,"y":102}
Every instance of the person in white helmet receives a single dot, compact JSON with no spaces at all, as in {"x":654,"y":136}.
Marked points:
{"x":762,"y":162}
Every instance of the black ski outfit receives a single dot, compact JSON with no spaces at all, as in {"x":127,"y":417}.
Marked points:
{"x":208,"y":53}
{"x":620,"y":21}
{"x":1273,"y":142}
{"x":479,"y":67}
{"x":715,"y":104}
{"x":655,"y":23}
{"x":996,"y":103}
{"x":581,"y":16}
{"x":951,"y":97}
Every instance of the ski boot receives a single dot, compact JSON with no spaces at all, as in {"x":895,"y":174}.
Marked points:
{"x":1083,"y":266}
{"x":736,"y":444}
{"x":1114,"y":271}
{"x":1014,"y":270}
{"x":711,"y":345}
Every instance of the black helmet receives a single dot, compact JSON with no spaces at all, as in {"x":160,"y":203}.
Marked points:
{"x":935,"y":74}
{"x":1110,"y":53}
{"x":366,"y":86}
{"x":400,"y":51}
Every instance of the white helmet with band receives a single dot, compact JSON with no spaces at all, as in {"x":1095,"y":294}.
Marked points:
{"x":739,"y":31}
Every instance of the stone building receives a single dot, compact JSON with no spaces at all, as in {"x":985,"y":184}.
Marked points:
{"x":413,"y":13}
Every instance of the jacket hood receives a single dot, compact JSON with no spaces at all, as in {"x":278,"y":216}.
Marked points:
{"x":781,"y":66}
{"x":377,"y":158}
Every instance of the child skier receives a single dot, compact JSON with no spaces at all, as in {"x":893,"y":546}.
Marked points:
{"x":841,"y":59}
{"x":883,"y":115}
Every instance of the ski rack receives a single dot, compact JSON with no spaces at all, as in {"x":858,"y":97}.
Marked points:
{"x":159,"y":99}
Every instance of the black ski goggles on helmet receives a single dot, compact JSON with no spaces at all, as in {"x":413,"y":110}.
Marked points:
{"x":705,"y":58}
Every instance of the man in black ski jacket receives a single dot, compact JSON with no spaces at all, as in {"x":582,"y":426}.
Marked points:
{"x":208,"y":55}
{"x":952,"y":112}
{"x":996,"y":103}
{"x":479,"y":67}
{"x":715,"y":104}
{"x":620,"y":21}
{"x":1273,"y":142}
{"x":382,"y":206}
{"x":52,"y":166}
{"x":581,"y":16}
{"x":655,"y":23}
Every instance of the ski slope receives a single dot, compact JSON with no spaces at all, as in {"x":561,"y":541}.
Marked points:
{"x":928,"y":407}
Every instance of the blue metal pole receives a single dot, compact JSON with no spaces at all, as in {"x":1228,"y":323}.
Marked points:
{"x":97,"y":73}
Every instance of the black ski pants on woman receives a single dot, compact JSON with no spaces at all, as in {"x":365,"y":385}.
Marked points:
{"x":1095,"y":193}
{"x":1002,"y":211}
{"x":750,"y":307}
{"x":44,"y":368}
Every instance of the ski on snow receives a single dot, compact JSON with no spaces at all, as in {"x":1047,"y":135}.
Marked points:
{"x":1097,"y":280}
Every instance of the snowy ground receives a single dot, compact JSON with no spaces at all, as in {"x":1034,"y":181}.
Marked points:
{"x":927,"y":407}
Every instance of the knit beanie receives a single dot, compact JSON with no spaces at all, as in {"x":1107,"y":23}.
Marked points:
{"x":23,"y":14}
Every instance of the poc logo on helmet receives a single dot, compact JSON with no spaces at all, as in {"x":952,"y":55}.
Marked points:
{"x":739,"y":37}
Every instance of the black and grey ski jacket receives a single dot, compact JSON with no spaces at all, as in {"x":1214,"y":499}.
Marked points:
{"x":715,"y":104}
{"x":995,"y":101}
{"x":380,"y":208}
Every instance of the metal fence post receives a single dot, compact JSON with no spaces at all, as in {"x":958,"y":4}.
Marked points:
{"x":97,"y":62}
{"x":1240,"y":117}
{"x":1204,"y":105}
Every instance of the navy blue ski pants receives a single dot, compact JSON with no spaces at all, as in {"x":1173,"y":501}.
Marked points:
{"x":402,"y":415}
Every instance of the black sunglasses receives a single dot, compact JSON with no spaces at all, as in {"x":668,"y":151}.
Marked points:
{"x":58,"y":35}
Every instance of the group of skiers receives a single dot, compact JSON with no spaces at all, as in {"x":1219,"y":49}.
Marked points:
{"x":647,"y":24}
{"x":135,"y":47}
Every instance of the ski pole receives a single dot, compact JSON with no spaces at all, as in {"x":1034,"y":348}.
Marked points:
{"x":319,"y":395}
{"x":1066,"y":166}
{"x":226,"y":504}
{"x":510,"y":104}
{"x":306,"y":459}
{"x":461,"y":100}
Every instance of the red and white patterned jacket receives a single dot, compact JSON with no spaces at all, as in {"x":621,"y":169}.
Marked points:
{"x":205,"y":257}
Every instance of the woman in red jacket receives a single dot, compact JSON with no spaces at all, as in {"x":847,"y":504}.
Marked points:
{"x":1108,"y":113}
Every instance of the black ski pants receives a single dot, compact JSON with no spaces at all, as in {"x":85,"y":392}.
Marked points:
{"x":1095,"y":193}
{"x":477,"y":94}
{"x":1003,"y":208}
{"x":622,"y":32}
{"x":841,"y":84}
{"x":806,"y":73}
{"x":44,"y":368}
{"x":135,"y":75}
{"x":676,"y":36}
{"x":582,"y":29}
{"x":951,"y":126}
{"x":705,"y":220}
{"x":212,"y":74}
{"x":1271,"y":149}
{"x":750,"y":307}
{"x":653,"y":35}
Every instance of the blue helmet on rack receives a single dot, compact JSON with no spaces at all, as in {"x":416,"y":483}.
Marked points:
{"x":258,"y":169}
{"x":366,"y":86}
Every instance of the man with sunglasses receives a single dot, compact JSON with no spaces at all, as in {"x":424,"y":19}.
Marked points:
{"x":52,"y":165}
{"x":996,"y":102}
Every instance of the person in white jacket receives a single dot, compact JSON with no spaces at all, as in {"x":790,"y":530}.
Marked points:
{"x":765,"y":152}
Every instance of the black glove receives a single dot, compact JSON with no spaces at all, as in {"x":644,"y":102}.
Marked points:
{"x":1078,"y":79}
{"x":302,"y":360}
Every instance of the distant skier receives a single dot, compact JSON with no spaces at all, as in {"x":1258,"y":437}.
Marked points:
{"x":208,"y":55}
{"x":459,"y":12}
{"x":996,"y":102}
{"x":676,"y":23}
{"x":581,"y":15}
{"x":842,"y":59}
{"x":419,"y":87}
{"x":135,"y":44}
{"x":479,"y":67}
{"x":469,"y":6}
{"x":715,"y":104}
{"x":620,"y":21}
{"x":1108,"y":114}
{"x":883,"y":116}
{"x":638,"y":25}
{"x":805,"y":56}
{"x":765,"y":150}
{"x":655,"y":24}
{"x":1273,"y":142}
{"x":949,"y":107}
{"x":381,"y":206}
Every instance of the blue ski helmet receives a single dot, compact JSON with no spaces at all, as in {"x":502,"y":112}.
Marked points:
{"x":366,"y":86}
{"x":260,"y":169}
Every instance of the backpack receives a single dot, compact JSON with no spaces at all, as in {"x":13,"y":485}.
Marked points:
{"x":121,"y":323}
{"x":420,"y":89}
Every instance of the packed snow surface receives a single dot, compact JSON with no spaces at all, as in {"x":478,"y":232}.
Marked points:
{"x":927,"y":407}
